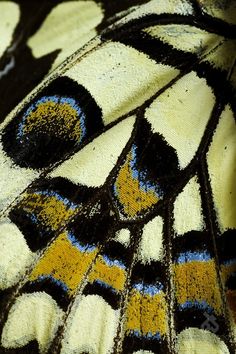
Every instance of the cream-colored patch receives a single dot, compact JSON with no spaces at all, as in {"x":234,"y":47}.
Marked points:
{"x":181,"y":113}
{"x":75,"y":21}
{"x":92,"y":328}
{"x":123,"y":236}
{"x":151,"y":245}
{"x":15,"y":255}
{"x":221,"y":160}
{"x":199,"y":341}
{"x":33,"y":316}
{"x":159,"y":7}
{"x":120,"y":78}
{"x":13,"y":179}
{"x":223,"y":9}
{"x":185,"y":37}
{"x":93,"y":163}
{"x":10,"y":14}
{"x":187,"y":209}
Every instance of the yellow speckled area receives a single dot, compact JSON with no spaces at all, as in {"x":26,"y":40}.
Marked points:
{"x":113,"y":276}
{"x":58,"y":119}
{"x":64,"y":262}
{"x":147,"y":314}
{"x":49,"y":211}
{"x":197,"y":281}
{"x":130,"y":195}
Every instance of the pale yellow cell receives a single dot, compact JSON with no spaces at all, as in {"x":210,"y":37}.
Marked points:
{"x":162,"y":6}
{"x":32,"y":317}
{"x":221,"y":160}
{"x":187,"y":209}
{"x":92,"y":328}
{"x":74,"y":21}
{"x":151,"y":244}
{"x":199,"y":341}
{"x":10,"y":15}
{"x":92,"y":165}
{"x":15,"y":255}
{"x":123,"y":236}
{"x":181,"y":113}
{"x":13,"y":179}
{"x":120,"y":78}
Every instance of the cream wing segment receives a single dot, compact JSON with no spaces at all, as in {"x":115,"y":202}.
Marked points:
{"x":151,"y":244}
{"x":221,"y":160}
{"x":10,"y":15}
{"x":15,"y":255}
{"x":199,"y":341}
{"x":76,"y":22}
{"x":120,"y":78}
{"x":93,"y":163}
{"x":92,"y":328}
{"x":39,"y":317}
{"x":187,"y":209}
{"x":181,"y":114}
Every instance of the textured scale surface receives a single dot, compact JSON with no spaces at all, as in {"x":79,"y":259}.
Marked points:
{"x":117,"y":177}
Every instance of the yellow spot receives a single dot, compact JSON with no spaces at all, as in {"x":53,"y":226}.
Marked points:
{"x":130,"y":195}
{"x":58,"y":119}
{"x":113,"y":276}
{"x":197,"y":281}
{"x":147,"y":314}
{"x":64,"y":262}
{"x":48,"y":210}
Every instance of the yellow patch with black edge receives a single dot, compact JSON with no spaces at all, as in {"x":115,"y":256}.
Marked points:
{"x":147,"y":314}
{"x":131,"y":196}
{"x":49,"y":210}
{"x":111,"y":275}
{"x":57,"y":118}
{"x":197,"y":281}
{"x":65,"y":263}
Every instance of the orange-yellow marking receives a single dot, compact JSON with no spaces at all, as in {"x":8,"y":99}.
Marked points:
{"x":64,"y":262}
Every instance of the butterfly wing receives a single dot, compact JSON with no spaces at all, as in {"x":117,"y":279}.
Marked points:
{"x":117,"y":216}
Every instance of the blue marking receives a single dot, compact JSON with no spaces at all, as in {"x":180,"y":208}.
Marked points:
{"x":58,"y":100}
{"x":201,"y":305}
{"x":193,"y":256}
{"x":229,"y":262}
{"x":59,"y":283}
{"x":114,"y":262}
{"x":149,"y":289}
{"x":66,"y":201}
{"x":77,"y":244}
{"x":149,"y":335}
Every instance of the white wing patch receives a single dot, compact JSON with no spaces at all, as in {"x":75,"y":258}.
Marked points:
{"x":15,"y":255}
{"x":181,"y":113}
{"x":13,"y":179}
{"x":32,"y":317}
{"x":199,"y":341}
{"x":76,"y":23}
{"x":187,"y":209}
{"x":151,"y":245}
{"x":93,"y":163}
{"x":10,"y":15}
{"x":120,"y":78}
{"x":92,"y":328}
{"x":221,"y":160}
